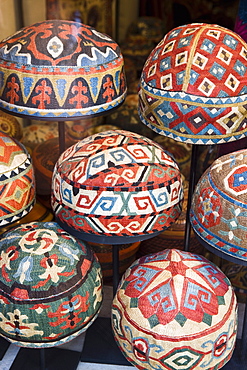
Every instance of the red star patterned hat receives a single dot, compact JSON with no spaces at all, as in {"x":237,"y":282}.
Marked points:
{"x":175,"y":310}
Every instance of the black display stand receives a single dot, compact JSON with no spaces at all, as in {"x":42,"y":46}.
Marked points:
{"x":46,"y":359}
{"x":100,"y":345}
{"x":4,"y":345}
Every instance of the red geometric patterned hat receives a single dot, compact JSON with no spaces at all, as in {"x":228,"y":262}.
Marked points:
{"x":219,"y":204}
{"x":193,"y":85}
{"x":116,"y":187}
{"x":17,"y":182}
{"x":175,"y":310}
{"x":60,"y":69}
{"x":50,"y":284}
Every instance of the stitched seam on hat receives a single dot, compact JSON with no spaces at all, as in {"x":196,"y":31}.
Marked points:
{"x":189,"y":64}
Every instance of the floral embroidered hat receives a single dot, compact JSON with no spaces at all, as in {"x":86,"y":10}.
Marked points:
{"x":60,"y":69}
{"x":175,"y":310}
{"x":219,"y":203}
{"x":193,"y":85}
{"x":50,"y":284}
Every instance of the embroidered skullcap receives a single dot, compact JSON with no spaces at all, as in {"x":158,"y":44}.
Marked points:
{"x":219,"y":203}
{"x":175,"y":310}
{"x":116,"y":187}
{"x":193,"y":85}
{"x":10,"y":126}
{"x":50,"y":285}
{"x":60,"y":69}
{"x":17,"y":182}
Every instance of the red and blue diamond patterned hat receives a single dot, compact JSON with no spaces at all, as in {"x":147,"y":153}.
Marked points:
{"x":50,"y":285}
{"x":17,"y":181}
{"x":193,"y":85}
{"x":218,"y":209}
{"x":175,"y":310}
{"x":116,"y":187}
{"x":60,"y":69}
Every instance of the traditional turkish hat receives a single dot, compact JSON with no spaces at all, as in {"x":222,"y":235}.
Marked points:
{"x":38,"y":133}
{"x":193,"y":85}
{"x":38,"y":213}
{"x":17,"y":182}
{"x":58,"y":69}
{"x":10,"y":125}
{"x":116,"y":187}
{"x":175,"y":310}
{"x":218,"y":209}
{"x":51,"y":286}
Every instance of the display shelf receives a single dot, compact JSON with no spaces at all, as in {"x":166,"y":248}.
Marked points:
{"x":100,"y":345}
{"x":46,"y":359}
{"x":4,"y":345}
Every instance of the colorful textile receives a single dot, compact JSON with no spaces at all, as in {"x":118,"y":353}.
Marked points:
{"x":175,"y":310}
{"x":219,"y":203}
{"x":50,"y":285}
{"x":60,"y":69}
{"x":17,"y":182}
{"x":116,"y":187}
{"x":193,"y":85}
{"x":38,"y":213}
{"x":9,"y":125}
{"x":38,"y":133}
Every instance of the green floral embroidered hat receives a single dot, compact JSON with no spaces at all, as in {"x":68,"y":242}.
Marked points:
{"x":60,"y":69}
{"x":50,"y":285}
{"x":218,"y":209}
{"x":175,"y":310}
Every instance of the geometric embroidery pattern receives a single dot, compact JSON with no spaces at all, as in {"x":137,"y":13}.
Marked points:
{"x":17,"y":183}
{"x":116,"y":185}
{"x":51,"y":285}
{"x":176,"y":310}
{"x":219,"y":206}
{"x":58,"y":69}
{"x":206,"y":71}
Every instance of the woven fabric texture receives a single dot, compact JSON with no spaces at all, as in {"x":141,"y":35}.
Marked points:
{"x":175,"y":310}
{"x":9,"y":125}
{"x":116,"y":184}
{"x":192,"y":86}
{"x":17,"y":182}
{"x":60,"y":69}
{"x":218,"y":210}
{"x":50,"y":285}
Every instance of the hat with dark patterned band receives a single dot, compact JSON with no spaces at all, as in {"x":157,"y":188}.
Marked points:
{"x":60,"y":69}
